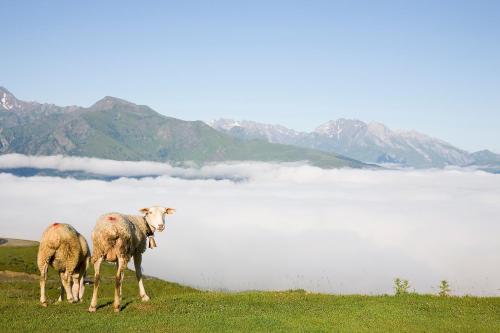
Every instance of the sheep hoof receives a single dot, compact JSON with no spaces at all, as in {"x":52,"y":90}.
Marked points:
{"x":145,"y":298}
{"x":44,"y":304}
{"x":117,"y":309}
{"x":92,"y":309}
{"x":70,"y":301}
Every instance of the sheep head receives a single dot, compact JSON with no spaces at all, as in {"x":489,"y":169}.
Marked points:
{"x":155,"y":216}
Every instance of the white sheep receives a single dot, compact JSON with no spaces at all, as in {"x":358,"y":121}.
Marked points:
{"x":64,"y":249}
{"x":119,"y":237}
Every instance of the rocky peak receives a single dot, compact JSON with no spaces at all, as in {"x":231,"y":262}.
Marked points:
{"x":7,"y":100}
{"x":223,"y":123}
{"x":110,"y":102}
{"x":379,"y":130}
{"x":334,"y":128}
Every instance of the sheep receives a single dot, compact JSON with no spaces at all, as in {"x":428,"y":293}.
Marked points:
{"x":67,"y":251}
{"x":118,"y":237}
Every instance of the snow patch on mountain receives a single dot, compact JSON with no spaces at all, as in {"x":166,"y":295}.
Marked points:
{"x":246,"y":129}
{"x":7,"y":102}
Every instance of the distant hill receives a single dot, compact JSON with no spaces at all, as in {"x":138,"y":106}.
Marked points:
{"x":113,"y":128}
{"x":372,"y":143}
{"x":487,"y":160}
{"x":486,"y":157}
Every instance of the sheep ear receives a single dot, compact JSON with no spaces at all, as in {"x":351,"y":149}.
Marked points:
{"x":170,"y":210}
{"x":144,"y":210}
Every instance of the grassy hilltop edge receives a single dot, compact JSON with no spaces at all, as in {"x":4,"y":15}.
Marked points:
{"x":177,"y":308}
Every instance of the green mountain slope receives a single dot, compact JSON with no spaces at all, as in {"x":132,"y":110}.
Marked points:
{"x":116,"y":129}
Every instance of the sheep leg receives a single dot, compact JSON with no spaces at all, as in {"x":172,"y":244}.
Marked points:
{"x":43,"y":280}
{"x":82,"y":287}
{"x":66,"y":282}
{"x":61,"y":294}
{"x":97,"y":267}
{"x":83,"y":274}
{"x":75,"y":288}
{"x":138,"y":275}
{"x":118,"y":283}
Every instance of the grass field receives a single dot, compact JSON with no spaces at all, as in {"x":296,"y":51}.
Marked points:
{"x":175,"y":308}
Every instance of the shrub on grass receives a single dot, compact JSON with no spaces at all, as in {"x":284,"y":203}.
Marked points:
{"x":401,"y":287}
{"x":444,"y":288}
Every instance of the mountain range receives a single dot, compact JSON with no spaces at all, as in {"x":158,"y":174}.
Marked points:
{"x":368,"y":142}
{"x":113,"y":128}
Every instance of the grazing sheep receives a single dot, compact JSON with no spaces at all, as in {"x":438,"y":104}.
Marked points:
{"x":118,"y":237}
{"x":63,"y":248}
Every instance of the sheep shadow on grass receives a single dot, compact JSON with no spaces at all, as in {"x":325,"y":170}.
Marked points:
{"x":111,"y":302}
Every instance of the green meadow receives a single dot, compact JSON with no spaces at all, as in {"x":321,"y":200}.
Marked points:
{"x":176,"y":308}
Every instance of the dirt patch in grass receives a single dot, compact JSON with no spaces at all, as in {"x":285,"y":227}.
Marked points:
{"x":9,"y":276}
{"x":12,"y":242}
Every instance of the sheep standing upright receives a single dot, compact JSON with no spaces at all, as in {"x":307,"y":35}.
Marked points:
{"x":63,"y":248}
{"x":119,"y":237}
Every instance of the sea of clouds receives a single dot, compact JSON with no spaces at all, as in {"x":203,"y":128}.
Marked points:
{"x":281,"y":226}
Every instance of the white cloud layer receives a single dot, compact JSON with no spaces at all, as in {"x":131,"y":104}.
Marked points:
{"x":230,"y":170}
{"x":337,"y":231}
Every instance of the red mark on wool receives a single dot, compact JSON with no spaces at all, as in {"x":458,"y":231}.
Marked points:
{"x":55,"y":224}
{"x":111,"y":218}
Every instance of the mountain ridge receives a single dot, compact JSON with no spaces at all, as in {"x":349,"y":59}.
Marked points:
{"x":371,"y":142}
{"x":114,"y":128}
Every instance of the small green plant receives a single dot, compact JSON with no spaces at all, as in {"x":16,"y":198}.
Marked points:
{"x":444,"y":288}
{"x":401,"y":287}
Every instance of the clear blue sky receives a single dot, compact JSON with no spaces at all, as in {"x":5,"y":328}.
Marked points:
{"x":433,"y":66}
